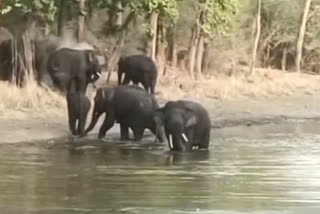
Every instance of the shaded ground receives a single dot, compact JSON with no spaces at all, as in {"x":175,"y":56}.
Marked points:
{"x":243,"y":111}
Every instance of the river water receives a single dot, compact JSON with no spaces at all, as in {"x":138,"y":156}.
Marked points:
{"x":272,"y":168}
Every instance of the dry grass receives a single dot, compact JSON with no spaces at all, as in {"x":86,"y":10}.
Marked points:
{"x":264,"y":83}
{"x":175,"y":85}
{"x":30,"y":98}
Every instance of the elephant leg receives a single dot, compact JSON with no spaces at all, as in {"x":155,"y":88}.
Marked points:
{"x":107,"y":124}
{"x":119,"y":77}
{"x":71,"y":119}
{"x":82,"y":85}
{"x":82,"y":124}
{"x":72,"y":124}
{"x":138,"y":133}
{"x":124,"y":132}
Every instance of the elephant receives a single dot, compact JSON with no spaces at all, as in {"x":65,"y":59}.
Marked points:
{"x":78,"y":108}
{"x":138,"y":69}
{"x":130,"y":106}
{"x":72,"y":69}
{"x":186,"y":124}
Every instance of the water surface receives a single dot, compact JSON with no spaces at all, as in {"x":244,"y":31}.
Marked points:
{"x":260,"y":169}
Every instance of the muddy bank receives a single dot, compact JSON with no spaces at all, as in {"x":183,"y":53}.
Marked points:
{"x":25,"y":127}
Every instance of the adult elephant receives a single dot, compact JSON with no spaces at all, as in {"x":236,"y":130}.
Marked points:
{"x":138,"y":69}
{"x":72,"y":69}
{"x":131,"y":106}
{"x":186,"y":124}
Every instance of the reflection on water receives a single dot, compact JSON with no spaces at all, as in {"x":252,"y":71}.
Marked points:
{"x":262,"y":169}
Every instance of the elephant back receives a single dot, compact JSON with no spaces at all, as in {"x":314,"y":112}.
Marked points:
{"x":133,"y":101}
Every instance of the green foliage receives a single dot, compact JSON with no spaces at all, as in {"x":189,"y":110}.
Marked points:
{"x":217,"y":15}
{"x":167,"y":9}
{"x":43,"y":10}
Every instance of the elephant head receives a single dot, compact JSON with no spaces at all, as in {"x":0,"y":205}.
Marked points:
{"x":101,"y":104}
{"x":178,"y":122}
{"x":94,"y":68}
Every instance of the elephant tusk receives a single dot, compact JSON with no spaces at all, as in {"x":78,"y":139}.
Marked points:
{"x":184,"y":137}
{"x":98,"y":74}
{"x":170,"y":142}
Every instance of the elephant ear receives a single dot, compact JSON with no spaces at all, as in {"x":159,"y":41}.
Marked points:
{"x":191,"y":120}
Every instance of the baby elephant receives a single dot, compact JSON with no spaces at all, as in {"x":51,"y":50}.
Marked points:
{"x":186,"y":124}
{"x":138,"y":69}
{"x":78,"y":108}
{"x":130,"y":106}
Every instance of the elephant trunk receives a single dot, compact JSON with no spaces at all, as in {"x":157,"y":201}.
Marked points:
{"x":94,"y":120}
{"x":177,"y":141}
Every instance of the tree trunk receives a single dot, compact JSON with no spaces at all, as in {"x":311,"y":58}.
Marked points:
{"x":193,"y":49}
{"x":161,"y":48}
{"x":153,"y":35}
{"x":195,"y":37}
{"x":172,"y":47}
{"x":115,"y":54}
{"x":256,"y":42}
{"x":205,"y":59}
{"x":301,"y":34}
{"x":284,"y":59}
{"x":199,"y":56}
{"x":119,"y":15}
{"x":62,"y":16}
{"x":81,"y":20}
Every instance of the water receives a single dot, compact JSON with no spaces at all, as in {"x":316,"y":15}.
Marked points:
{"x":262,"y":169}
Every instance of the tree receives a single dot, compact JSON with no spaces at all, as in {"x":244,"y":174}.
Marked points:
{"x":256,"y":41}
{"x":81,"y":20}
{"x":162,"y":15}
{"x":25,"y":12}
{"x":212,"y":17}
{"x":301,"y":34}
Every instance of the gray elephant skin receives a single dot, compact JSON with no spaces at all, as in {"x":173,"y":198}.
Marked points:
{"x":186,"y":124}
{"x":78,"y":107}
{"x":72,"y":69}
{"x":138,"y":69}
{"x":130,"y":106}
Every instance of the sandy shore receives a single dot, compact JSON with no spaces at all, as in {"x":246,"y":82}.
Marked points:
{"x":26,"y":126}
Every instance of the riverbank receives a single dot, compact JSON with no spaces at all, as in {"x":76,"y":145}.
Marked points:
{"x":26,"y":126}
{"x":267,"y":98}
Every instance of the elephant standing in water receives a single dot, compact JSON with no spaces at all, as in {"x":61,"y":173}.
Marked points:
{"x":131,"y":106}
{"x":186,"y":124}
{"x":73,"y":69}
{"x":138,"y":69}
